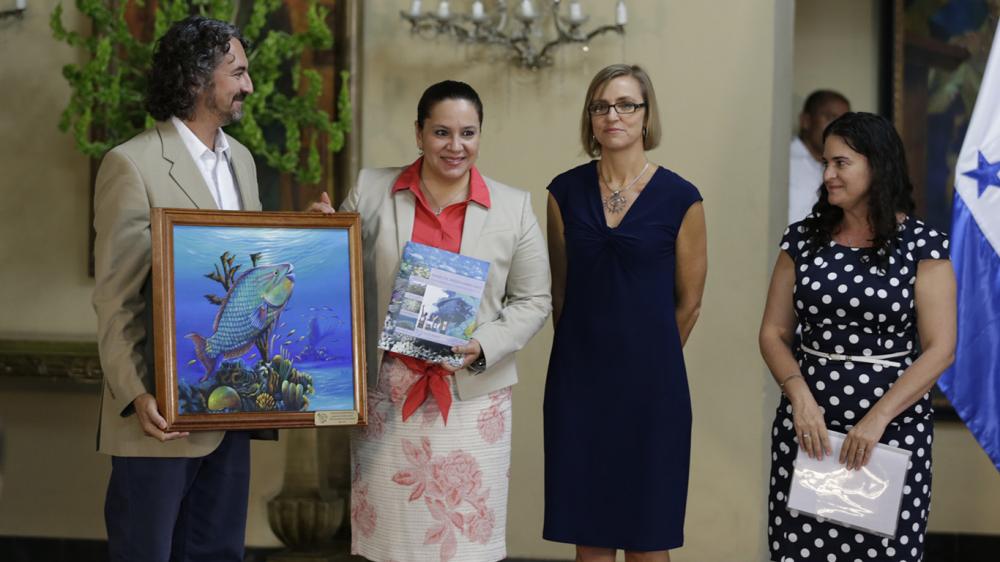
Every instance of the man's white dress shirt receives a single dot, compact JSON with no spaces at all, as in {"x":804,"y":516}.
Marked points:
{"x":214,"y":165}
{"x":805,"y":175}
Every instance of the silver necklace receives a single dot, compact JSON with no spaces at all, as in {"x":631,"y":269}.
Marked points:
{"x":616,"y":202}
{"x":435,"y":208}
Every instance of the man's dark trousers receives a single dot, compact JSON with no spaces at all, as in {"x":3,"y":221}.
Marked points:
{"x":180,"y":509}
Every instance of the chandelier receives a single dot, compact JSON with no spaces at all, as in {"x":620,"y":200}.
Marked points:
{"x":524,"y":39}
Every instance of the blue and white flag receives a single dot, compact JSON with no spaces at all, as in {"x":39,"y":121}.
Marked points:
{"x":973,"y":382}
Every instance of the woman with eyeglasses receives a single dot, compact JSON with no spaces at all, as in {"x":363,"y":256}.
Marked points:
{"x":627,"y":248}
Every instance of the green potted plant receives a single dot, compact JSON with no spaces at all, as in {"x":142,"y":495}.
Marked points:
{"x":106,"y":101}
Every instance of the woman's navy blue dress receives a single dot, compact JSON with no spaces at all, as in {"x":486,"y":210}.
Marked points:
{"x":617,"y":406}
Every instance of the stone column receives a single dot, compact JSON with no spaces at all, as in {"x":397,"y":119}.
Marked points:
{"x":309,"y":511}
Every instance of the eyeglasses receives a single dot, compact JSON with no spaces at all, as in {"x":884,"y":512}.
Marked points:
{"x":622,"y":107}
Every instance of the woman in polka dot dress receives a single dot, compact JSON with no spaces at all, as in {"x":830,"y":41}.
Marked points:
{"x":873,"y":294}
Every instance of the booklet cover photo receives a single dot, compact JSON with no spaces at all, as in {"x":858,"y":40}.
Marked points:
{"x":434,"y":303}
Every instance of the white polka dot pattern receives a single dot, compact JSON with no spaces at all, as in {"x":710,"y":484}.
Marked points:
{"x":847,"y":303}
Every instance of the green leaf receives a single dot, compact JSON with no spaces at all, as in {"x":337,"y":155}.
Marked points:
{"x":107,"y":92}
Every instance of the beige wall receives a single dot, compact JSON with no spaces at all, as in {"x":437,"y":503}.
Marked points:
{"x":836,"y":47}
{"x":43,"y":219}
{"x":53,"y":480}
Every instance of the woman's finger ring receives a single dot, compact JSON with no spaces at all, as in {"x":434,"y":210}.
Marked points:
{"x":805,"y":435}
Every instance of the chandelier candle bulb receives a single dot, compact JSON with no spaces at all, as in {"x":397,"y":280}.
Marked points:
{"x":575,"y":12}
{"x":444,"y":11}
{"x":415,"y":8}
{"x":527,"y":9}
{"x":478,"y":13}
{"x":621,"y":13}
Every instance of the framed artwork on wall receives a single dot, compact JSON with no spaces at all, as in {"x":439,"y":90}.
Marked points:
{"x":258,"y":319}
{"x":938,"y":54}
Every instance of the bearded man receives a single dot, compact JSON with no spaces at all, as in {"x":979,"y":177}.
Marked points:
{"x":172,"y":495}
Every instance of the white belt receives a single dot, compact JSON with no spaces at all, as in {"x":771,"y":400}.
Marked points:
{"x":882,"y":360}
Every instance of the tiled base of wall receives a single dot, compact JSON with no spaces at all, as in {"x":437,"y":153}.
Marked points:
{"x":962,"y":548}
{"x":940,"y":548}
{"x":31,"y":549}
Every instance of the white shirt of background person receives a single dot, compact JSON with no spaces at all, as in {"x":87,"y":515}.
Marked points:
{"x":805,"y":175}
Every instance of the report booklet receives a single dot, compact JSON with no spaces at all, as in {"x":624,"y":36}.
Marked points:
{"x":867,"y":499}
{"x":434,"y":303}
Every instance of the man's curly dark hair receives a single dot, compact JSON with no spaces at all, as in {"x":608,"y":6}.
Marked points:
{"x":183,"y":63}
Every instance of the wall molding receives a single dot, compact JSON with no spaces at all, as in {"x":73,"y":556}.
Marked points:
{"x":66,"y":362}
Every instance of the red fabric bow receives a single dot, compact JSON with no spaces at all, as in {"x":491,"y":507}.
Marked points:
{"x":432,"y":378}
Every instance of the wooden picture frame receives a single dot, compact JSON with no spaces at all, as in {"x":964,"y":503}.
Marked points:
{"x":258,"y":319}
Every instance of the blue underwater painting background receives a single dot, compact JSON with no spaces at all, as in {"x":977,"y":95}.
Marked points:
{"x":312,"y":335}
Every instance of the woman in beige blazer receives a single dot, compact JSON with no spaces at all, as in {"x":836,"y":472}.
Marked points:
{"x":434,"y":486}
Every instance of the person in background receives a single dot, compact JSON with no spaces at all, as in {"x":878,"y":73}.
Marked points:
{"x":805,"y":171}
{"x":627,"y":246}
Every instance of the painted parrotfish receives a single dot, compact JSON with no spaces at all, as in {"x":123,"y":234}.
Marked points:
{"x":249,"y":310}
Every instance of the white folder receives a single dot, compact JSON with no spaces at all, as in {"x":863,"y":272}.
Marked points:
{"x":867,"y":499}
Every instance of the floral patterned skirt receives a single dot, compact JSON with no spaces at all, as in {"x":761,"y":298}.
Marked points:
{"x":423,"y":490}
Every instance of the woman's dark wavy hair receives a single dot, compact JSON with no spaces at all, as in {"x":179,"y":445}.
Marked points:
{"x":447,"y":90}
{"x":183,"y":63}
{"x":891,"y":192}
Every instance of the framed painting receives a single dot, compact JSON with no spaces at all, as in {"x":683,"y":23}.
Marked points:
{"x":258,"y":319}
{"x":939,"y":52}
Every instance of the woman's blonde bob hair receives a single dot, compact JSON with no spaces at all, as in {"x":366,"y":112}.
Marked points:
{"x":651,"y":119}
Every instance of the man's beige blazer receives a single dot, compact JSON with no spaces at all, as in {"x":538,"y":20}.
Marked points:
{"x":153,"y":169}
{"x":516,"y":300}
